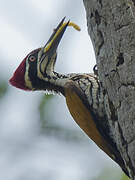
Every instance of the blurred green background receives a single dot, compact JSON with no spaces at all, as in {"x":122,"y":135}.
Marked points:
{"x":38,"y":137}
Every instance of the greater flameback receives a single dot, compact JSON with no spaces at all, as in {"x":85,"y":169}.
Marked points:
{"x":84,"y":96}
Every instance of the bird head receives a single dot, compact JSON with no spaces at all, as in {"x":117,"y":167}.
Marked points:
{"x":36,"y":71}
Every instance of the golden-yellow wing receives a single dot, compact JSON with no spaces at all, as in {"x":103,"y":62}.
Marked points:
{"x":82,"y":116}
{"x":79,"y":110}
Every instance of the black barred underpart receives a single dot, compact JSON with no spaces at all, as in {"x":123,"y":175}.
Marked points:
{"x":90,"y":86}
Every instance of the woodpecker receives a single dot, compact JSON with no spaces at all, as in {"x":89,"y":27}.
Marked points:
{"x":83,"y":92}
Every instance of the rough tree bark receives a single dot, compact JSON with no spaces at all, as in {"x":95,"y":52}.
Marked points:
{"x":111,"y":26}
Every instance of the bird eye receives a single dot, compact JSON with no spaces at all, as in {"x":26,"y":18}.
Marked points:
{"x":32,"y":58}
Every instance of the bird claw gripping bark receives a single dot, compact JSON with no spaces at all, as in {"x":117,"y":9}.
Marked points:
{"x":95,"y":70}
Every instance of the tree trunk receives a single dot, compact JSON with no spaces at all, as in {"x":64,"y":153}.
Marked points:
{"x":111,"y":26}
